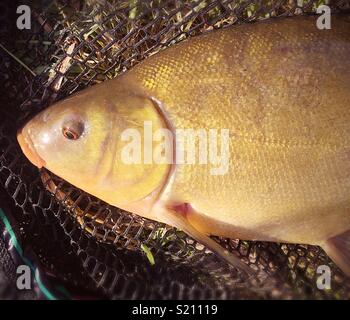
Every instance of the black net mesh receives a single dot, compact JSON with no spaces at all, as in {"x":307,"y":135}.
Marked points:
{"x":85,"y":242}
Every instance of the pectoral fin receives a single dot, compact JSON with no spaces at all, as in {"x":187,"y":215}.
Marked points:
{"x":176,"y":216}
{"x":338,"y":248}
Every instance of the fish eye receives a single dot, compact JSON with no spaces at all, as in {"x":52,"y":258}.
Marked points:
{"x":72,"y":130}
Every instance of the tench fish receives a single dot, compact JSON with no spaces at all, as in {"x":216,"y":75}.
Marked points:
{"x":242,"y":132}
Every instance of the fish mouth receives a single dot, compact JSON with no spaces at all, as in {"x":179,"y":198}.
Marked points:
{"x":28,"y":149}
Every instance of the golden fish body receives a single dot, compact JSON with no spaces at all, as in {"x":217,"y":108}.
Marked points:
{"x":282,"y":90}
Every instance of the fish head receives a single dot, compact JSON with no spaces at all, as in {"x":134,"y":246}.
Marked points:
{"x":96,"y":140}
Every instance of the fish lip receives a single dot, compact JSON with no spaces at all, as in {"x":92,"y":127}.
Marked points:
{"x":28,"y":149}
